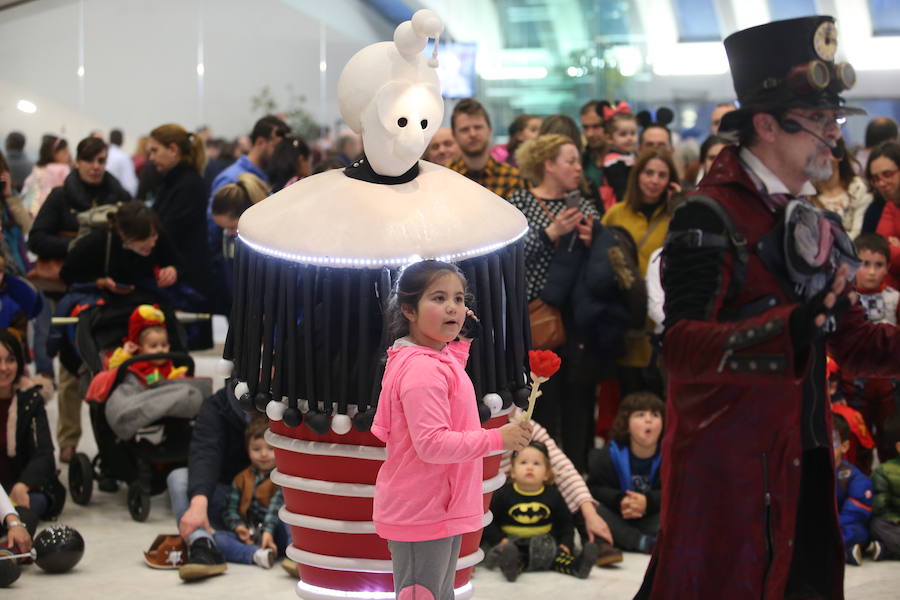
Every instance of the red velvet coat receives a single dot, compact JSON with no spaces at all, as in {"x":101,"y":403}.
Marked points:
{"x":733,"y":453}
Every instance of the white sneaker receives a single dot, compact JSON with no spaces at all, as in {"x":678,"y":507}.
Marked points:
{"x":264,"y":557}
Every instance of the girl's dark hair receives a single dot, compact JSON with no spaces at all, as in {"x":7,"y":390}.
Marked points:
{"x":540,"y":446}
{"x":515,"y":128}
{"x":89,"y":148}
{"x":135,"y":221}
{"x":413,"y":282}
{"x":889,"y":150}
{"x":50,"y":144}
{"x":633,"y":195}
{"x":711,"y":141}
{"x":283,"y":163}
{"x":13,"y":345}
{"x":328,"y":164}
{"x":633,"y":403}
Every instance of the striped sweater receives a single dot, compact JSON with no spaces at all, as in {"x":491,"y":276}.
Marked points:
{"x":569,"y":482}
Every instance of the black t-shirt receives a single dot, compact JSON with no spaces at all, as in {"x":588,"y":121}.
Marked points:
{"x":526,"y":514}
{"x":640,"y":473}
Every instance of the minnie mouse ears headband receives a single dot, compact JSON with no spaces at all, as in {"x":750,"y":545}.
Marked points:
{"x":664,"y":116}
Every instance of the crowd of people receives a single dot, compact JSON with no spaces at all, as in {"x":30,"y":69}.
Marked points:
{"x":598,"y":195}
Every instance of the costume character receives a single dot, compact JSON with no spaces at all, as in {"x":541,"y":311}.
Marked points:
{"x":753,"y":296}
{"x":314,"y":264}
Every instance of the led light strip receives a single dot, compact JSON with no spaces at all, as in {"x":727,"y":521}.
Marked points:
{"x":357,"y":490}
{"x":364,"y":565}
{"x":341,"y":261}
{"x":339,"y":526}
{"x":324,"y":449}
{"x":312,"y":592}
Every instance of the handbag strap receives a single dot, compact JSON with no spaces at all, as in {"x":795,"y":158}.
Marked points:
{"x":650,"y":229}
{"x":543,"y":206}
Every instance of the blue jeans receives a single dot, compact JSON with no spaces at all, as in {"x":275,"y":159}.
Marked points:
{"x":236,"y":551}
{"x":177,"y":482}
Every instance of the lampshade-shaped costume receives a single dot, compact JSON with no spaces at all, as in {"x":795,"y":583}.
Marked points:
{"x":315,"y":266}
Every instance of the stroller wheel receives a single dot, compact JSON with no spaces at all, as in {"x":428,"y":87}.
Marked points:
{"x":81,"y":479}
{"x":138,"y":502}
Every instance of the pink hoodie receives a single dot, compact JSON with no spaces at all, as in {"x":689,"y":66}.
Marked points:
{"x":430,"y":485}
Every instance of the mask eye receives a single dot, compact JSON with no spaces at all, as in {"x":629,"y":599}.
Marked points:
{"x":424,"y":123}
{"x":402,"y":121}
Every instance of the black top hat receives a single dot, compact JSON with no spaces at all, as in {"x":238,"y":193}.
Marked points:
{"x":787,"y":64}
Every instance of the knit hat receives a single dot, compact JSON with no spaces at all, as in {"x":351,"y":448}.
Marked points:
{"x":144,"y":316}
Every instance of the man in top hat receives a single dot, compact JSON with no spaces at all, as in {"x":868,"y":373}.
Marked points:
{"x":755,"y":280}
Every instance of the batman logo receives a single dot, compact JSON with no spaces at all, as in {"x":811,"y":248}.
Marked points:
{"x":529,"y":513}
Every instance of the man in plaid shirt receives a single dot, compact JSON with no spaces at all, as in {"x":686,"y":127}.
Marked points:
{"x":472,"y":130}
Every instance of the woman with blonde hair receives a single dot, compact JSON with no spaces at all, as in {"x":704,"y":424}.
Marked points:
{"x":229,"y":203}
{"x":560,"y":230}
{"x":180,"y":202}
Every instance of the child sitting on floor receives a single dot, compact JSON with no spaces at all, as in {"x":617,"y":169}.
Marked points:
{"x":624,"y":475}
{"x":533,"y":529}
{"x":854,"y":495}
{"x":886,"y":506}
{"x":151,"y":389}
{"x":256,"y":535}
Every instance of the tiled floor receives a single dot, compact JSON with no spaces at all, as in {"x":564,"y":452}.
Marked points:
{"x":113,"y":566}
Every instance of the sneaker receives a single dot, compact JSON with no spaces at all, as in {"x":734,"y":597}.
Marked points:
{"x":590,"y":553}
{"x":509,"y":561}
{"x":291,"y":568}
{"x":108,"y":485}
{"x":264,"y":557}
{"x":607,"y":554}
{"x":854,"y":555}
{"x":875,"y":550}
{"x":204,"y":560}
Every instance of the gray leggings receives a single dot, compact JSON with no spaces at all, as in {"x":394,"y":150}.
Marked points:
{"x":425,"y":570}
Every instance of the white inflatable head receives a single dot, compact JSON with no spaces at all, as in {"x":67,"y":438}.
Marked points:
{"x":391,"y":95}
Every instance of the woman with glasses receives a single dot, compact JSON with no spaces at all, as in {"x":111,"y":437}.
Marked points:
{"x":883,"y":171}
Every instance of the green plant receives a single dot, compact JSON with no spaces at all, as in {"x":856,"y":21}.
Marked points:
{"x":295,"y":114}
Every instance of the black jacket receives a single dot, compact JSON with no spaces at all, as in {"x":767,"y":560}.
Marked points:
{"x":605,"y":487}
{"x":56,"y":222}
{"x":33,"y":461}
{"x":181,"y":205}
{"x":87,"y":260}
{"x":603,"y":288}
{"x":217,"y":452}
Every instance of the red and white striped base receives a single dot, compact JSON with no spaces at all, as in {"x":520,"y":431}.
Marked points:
{"x":328,"y":483}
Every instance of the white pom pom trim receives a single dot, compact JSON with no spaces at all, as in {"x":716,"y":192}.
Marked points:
{"x":224,"y":367}
{"x":240,"y":389}
{"x":340,"y":424}
{"x":275,"y":410}
{"x":493,"y":402}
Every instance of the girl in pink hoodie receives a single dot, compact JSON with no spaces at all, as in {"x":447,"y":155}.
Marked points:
{"x":428,"y":491}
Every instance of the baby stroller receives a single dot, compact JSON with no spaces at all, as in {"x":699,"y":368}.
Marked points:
{"x":144,"y":461}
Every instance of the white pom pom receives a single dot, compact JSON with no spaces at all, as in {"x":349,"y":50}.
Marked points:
{"x":493,"y":402}
{"x":340,"y":424}
{"x":240,"y":389}
{"x":303,"y":405}
{"x":224,"y":367}
{"x":275,"y":410}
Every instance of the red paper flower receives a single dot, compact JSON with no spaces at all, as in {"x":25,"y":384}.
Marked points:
{"x":543,"y":363}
